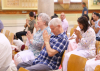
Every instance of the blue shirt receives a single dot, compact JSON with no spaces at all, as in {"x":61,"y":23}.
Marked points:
{"x":97,"y":26}
{"x":37,"y":44}
{"x":84,"y":9}
{"x":59,"y":43}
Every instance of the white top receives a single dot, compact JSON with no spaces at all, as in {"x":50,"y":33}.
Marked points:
{"x":5,"y":52}
{"x":87,"y":41}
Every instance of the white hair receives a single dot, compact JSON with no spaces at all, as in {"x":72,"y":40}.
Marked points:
{"x":55,"y":22}
{"x":44,"y":17}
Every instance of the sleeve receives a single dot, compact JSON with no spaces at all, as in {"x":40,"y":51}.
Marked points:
{"x":61,"y":45}
{"x":32,"y":24}
{"x":97,"y":25}
{"x":88,"y":38}
{"x":38,"y":43}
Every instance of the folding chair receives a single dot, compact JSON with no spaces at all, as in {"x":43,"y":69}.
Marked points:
{"x":7,"y":33}
{"x":23,"y":69}
{"x":97,"y":68}
{"x":76,"y":63}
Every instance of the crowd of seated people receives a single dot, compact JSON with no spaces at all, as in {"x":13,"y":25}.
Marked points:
{"x":47,"y":45}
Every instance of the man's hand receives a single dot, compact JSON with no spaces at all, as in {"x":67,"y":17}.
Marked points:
{"x":97,"y":57}
{"x":46,"y":36}
{"x":29,"y":35}
{"x":92,"y":22}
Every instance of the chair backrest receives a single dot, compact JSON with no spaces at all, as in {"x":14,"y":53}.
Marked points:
{"x":75,"y":26}
{"x":76,"y":63}
{"x":7,"y":33}
{"x":97,"y":45}
{"x":22,"y":69}
{"x":71,"y":31}
{"x":10,"y":38}
{"x":63,"y":58}
{"x":97,"y":68}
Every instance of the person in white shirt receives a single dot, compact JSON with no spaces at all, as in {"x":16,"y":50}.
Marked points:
{"x":64,"y":22}
{"x":85,"y":40}
{"x":5,"y":51}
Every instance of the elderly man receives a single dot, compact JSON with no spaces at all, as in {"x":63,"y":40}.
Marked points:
{"x":64,"y":22}
{"x":51,"y":54}
{"x":5,"y":51}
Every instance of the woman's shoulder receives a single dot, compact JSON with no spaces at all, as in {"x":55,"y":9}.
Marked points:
{"x":91,"y":30}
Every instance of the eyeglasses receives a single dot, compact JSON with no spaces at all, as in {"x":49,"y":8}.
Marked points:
{"x":39,"y":20}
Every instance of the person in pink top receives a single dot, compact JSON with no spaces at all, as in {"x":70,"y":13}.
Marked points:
{"x":64,"y":22}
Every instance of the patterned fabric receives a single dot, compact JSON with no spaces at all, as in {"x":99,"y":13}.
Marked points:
{"x":97,"y":26}
{"x":88,"y":41}
{"x":59,"y":43}
{"x":38,"y":41}
{"x":65,"y":25}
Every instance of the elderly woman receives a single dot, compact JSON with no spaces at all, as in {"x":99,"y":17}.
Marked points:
{"x":36,"y":41}
{"x":86,"y":42}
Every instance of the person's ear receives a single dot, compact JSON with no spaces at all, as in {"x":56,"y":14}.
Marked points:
{"x":59,"y":26}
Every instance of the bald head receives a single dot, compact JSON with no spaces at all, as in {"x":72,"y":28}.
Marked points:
{"x":62,"y":16}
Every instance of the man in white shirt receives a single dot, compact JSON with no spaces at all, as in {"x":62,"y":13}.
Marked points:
{"x":5,"y":51}
{"x":64,"y":22}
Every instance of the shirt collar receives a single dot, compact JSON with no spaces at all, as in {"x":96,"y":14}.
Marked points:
{"x":63,"y":20}
{"x":61,"y":35}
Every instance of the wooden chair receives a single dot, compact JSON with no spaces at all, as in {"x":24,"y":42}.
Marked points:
{"x":97,"y":45}
{"x":22,"y":69}
{"x":76,"y":63}
{"x":7,"y":33}
{"x":10,"y":38}
{"x":71,"y":31}
{"x":75,"y":26}
{"x":63,"y":58}
{"x":97,"y":68}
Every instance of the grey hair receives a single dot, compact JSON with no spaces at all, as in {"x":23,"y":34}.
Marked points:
{"x":44,"y":17}
{"x":55,"y":22}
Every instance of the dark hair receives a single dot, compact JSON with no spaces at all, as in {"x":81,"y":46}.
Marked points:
{"x":86,"y":16}
{"x":31,"y":14}
{"x":97,"y":14}
{"x":54,"y":16}
{"x":84,"y":3}
{"x":82,"y":20}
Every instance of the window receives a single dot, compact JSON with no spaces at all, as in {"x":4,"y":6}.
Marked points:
{"x":55,"y":0}
{"x":76,"y":0}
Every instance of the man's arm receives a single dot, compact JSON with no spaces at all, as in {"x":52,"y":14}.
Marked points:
{"x":85,"y":12}
{"x":96,"y":29}
{"x":51,"y":52}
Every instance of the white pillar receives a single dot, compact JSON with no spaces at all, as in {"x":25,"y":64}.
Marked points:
{"x":46,"y":6}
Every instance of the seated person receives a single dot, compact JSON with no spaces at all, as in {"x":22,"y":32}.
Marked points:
{"x":96,"y":25}
{"x":36,"y":40}
{"x":5,"y":51}
{"x":92,"y":63}
{"x":72,"y":43}
{"x":30,"y":24}
{"x":50,"y":57}
{"x":86,"y":42}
